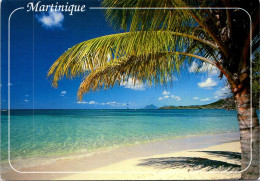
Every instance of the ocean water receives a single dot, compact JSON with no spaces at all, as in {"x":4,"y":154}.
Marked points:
{"x":59,"y":133}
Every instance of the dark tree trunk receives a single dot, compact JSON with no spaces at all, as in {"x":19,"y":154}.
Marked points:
{"x":249,"y":165}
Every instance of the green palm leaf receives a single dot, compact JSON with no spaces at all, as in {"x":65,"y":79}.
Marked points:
{"x":155,"y":68}
{"x":89,"y":55}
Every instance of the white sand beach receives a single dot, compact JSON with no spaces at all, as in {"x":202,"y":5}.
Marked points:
{"x":200,"y":164}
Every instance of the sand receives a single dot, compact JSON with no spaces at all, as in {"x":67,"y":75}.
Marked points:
{"x":199,"y":157}
{"x":199,"y":165}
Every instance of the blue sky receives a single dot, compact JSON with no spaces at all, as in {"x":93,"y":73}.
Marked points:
{"x":38,"y":39}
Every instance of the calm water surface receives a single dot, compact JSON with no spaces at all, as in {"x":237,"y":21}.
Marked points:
{"x":43,"y":133}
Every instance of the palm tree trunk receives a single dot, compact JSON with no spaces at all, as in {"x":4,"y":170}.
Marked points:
{"x":250,"y":165}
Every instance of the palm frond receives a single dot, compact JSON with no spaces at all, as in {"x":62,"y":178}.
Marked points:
{"x":155,"y":68}
{"x":89,"y":55}
{"x":153,"y":15}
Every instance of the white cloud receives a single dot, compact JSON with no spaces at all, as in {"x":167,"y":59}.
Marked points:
{"x":102,"y":103}
{"x":51,"y":19}
{"x":131,"y":84}
{"x":193,"y":67}
{"x":165,"y":93}
{"x":175,"y":97}
{"x":82,"y":102}
{"x":195,"y":98}
{"x":209,"y":83}
{"x":92,"y":102}
{"x":171,"y":78}
{"x":212,"y":70}
{"x":206,"y":99}
{"x":168,"y":95}
{"x":114,"y":104}
{"x":26,"y":100}
{"x":63,"y":92}
{"x":206,"y":67}
{"x":222,"y":92}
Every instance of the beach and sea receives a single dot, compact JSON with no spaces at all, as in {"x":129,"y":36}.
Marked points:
{"x":120,"y":144}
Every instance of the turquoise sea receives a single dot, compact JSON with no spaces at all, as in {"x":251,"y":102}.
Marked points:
{"x":59,"y":133}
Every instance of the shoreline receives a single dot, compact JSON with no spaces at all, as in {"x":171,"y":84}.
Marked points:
{"x":49,"y":159}
{"x":117,"y":155}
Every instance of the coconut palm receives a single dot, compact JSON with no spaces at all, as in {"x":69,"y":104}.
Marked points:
{"x":159,"y":41}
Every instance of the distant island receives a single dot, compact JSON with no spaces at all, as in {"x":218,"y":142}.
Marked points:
{"x":151,"y":106}
{"x":227,"y":103}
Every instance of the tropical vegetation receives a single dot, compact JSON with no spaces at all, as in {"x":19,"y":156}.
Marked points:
{"x":220,"y":104}
{"x":160,"y":40}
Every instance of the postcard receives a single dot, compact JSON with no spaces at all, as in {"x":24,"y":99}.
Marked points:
{"x":129,"y":90}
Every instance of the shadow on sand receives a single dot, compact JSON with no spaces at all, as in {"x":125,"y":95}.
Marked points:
{"x":195,"y":163}
{"x":226,"y":154}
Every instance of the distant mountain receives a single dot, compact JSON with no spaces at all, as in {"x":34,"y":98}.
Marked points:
{"x":227,"y":103}
{"x":151,"y":106}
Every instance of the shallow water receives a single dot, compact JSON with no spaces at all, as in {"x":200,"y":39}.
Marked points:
{"x":55,"y":133}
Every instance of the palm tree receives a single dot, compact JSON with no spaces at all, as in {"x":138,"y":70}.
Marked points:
{"x":159,"y":41}
{"x":256,"y":79}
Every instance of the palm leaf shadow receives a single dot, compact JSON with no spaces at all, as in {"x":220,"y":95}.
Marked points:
{"x":226,"y":154}
{"x":195,"y":163}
